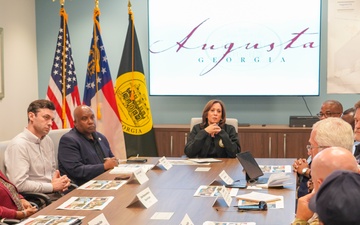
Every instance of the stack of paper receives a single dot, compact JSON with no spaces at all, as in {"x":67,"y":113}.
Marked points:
{"x":258,"y":196}
{"x":186,"y":162}
{"x":207,"y":191}
{"x":276,"y":180}
{"x":54,"y":219}
{"x":275,"y":168}
{"x":102,"y":185}
{"x":86,"y":203}
{"x":205,"y":160}
{"x":130,"y":168}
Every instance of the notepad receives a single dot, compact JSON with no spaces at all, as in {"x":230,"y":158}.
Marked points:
{"x":258,"y":196}
{"x":54,"y":219}
{"x":205,"y":160}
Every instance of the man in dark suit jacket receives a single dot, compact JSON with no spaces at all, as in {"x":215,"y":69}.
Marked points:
{"x":83,"y":152}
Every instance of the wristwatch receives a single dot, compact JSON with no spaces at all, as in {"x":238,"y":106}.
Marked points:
{"x":303,"y":172}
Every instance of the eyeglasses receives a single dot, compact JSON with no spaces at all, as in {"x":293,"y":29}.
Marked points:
{"x":326,"y":115}
{"x":309,"y":147}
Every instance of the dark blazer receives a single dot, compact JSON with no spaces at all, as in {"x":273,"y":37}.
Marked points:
{"x":7,"y":206}
{"x":224,"y":145}
{"x":303,"y":188}
{"x":77,"y":156}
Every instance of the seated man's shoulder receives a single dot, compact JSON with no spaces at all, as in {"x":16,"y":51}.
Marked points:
{"x":47,"y":138}
{"x":72,"y":138}
{"x":100,"y":134}
{"x":71,"y":134}
{"x":100,"y":137}
{"x":18,"y":142}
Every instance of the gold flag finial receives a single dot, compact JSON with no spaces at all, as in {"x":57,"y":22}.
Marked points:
{"x":62,"y":2}
{"x":96,"y":4}
{"x":129,"y":8}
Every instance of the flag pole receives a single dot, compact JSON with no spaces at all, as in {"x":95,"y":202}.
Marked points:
{"x":66,"y":95}
{"x":96,"y":58}
{"x":64,"y":15}
{"x":63,"y":107}
{"x":132,"y":97}
{"x":99,"y":91}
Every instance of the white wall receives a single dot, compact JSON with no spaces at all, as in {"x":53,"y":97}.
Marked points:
{"x":165,"y":109}
{"x":17,"y":18}
{"x":22,"y":84}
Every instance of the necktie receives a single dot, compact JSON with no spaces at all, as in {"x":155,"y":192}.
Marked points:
{"x":357,"y":150}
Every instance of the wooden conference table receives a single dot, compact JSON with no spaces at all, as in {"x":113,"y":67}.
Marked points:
{"x":174,"y":190}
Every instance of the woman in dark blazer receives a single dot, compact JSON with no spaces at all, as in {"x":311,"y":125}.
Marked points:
{"x":213,"y":137}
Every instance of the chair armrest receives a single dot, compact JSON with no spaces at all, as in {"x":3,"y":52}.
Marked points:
{"x":30,"y":196}
{"x":9,"y":221}
{"x":34,"y":204}
{"x":73,"y":186}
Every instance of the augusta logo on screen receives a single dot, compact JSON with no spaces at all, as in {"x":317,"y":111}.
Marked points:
{"x":240,"y":45}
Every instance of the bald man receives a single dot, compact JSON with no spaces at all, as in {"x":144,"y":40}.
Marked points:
{"x":330,"y":108}
{"x":83,"y":152}
{"x":323,"y":164}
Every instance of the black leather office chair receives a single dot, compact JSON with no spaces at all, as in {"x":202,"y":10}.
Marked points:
{"x":55,"y":136}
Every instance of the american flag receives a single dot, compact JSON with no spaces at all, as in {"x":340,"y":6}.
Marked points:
{"x":99,"y":93}
{"x":63,"y":90}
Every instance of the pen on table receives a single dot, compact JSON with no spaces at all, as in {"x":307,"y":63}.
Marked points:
{"x":137,"y":156}
{"x":77,"y":221}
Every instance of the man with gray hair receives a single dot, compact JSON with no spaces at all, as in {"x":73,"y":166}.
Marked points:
{"x":331,"y":132}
